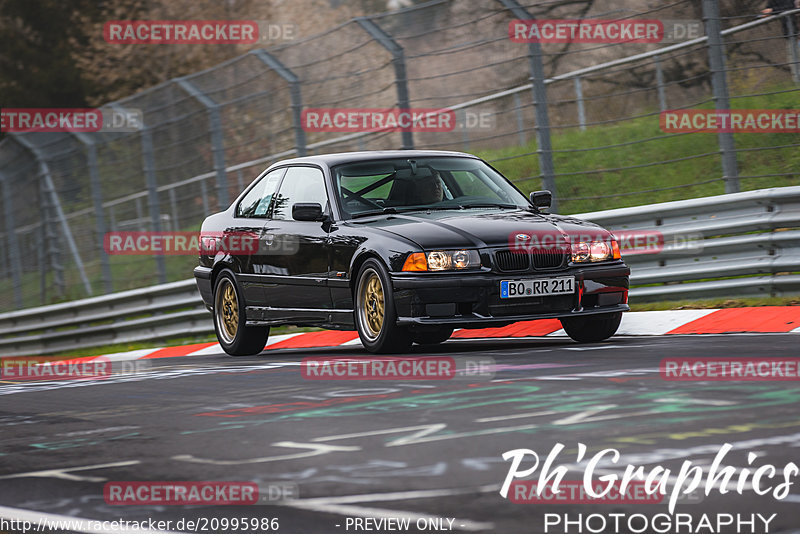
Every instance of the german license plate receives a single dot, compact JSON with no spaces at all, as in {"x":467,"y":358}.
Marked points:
{"x":537,"y":287}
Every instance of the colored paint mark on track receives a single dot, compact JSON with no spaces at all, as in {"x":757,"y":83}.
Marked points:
{"x":541,"y":327}
{"x":176,"y":352}
{"x":327,"y":338}
{"x":765,"y":319}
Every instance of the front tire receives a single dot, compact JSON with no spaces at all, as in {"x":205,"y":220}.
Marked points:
{"x":375,"y":315}
{"x":432,"y":337}
{"x":235,"y":337}
{"x":593,"y":328}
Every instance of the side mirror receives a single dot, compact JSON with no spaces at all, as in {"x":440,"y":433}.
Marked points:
{"x":541,"y":199}
{"x":307,"y":211}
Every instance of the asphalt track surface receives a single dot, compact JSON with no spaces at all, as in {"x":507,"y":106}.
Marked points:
{"x":380,"y":449}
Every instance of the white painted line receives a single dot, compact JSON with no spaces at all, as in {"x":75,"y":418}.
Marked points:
{"x":63,"y":473}
{"x":657,"y":323}
{"x":213,"y":349}
{"x":651,"y":323}
{"x":130,"y":355}
{"x":46,"y":522}
{"x":116,"y":357}
{"x":515,"y":416}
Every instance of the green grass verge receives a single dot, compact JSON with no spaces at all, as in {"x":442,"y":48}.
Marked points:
{"x":639,"y":181}
{"x":705,"y":304}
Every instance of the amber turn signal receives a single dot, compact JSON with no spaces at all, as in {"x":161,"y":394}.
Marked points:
{"x":416,"y":262}
{"x":615,"y":250}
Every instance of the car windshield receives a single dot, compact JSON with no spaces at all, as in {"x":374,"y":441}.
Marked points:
{"x":395,"y":185}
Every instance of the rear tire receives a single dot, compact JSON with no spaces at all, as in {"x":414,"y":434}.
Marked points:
{"x":375,"y":315}
{"x":235,"y":337}
{"x":432,"y":337}
{"x":593,"y":328}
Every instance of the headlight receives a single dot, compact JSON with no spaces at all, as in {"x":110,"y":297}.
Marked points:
{"x":443,"y":260}
{"x":595,"y":251}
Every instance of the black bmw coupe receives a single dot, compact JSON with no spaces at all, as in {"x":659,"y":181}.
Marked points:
{"x":403,"y":246}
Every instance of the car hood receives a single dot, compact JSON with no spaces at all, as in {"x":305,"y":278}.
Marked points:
{"x":480,"y":228}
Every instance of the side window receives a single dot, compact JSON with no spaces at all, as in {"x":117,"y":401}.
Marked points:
{"x":301,"y":184}
{"x":256,"y":203}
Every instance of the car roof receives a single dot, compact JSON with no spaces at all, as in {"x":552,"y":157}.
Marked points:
{"x":330,"y":160}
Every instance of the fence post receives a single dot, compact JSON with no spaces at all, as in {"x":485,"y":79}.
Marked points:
{"x":399,"y":62}
{"x":97,"y":201}
{"x":794,"y":60}
{"x":294,"y":93}
{"x":579,"y":101}
{"x":4,"y":265}
{"x":50,"y":247}
{"x":520,"y":120}
{"x":662,"y":95}
{"x":217,"y":144}
{"x":173,"y":205}
{"x":52,"y":197}
{"x":13,"y":245}
{"x":544,"y":147}
{"x":719,"y":84}
{"x":40,"y":258}
{"x":149,"y":167}
{"x":139,"y":214}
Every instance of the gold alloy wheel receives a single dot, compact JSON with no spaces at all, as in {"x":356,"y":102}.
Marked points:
{"x":371,"y":304}
{"x":227,"y":311}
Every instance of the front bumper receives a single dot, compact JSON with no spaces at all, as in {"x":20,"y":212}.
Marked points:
{"x":202,"y":276}
{"x":472,"y":300}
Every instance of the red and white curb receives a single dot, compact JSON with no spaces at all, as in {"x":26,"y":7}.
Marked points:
{"x":765,"y":319}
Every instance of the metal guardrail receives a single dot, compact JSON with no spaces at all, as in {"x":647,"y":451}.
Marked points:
{"x":745,"y":244}
{"x":151,"y":313}
{"x":753,"y":236}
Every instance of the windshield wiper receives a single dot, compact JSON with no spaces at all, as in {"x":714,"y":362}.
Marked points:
{"x":373,"y":212}
{"x":487,"y":205}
